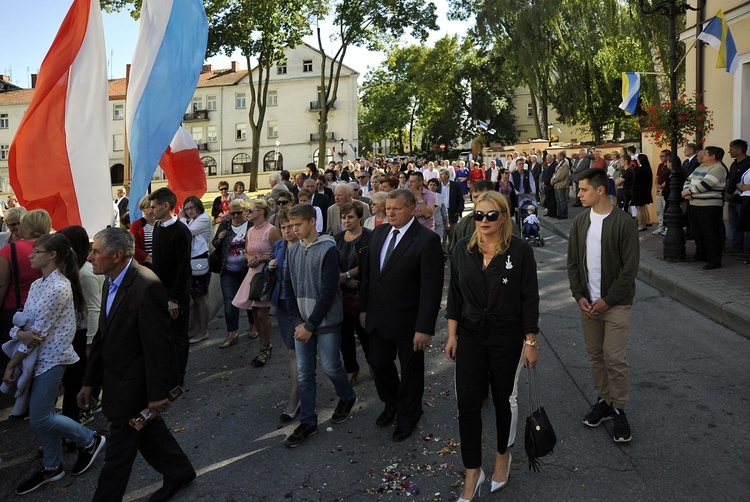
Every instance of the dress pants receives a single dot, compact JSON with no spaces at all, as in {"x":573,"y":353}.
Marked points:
{"x":73,"y":377}
{"x":478,"y":366}
{"x":158,"y":447}
{"x":549,"y":201}
{"x":181,"y":339}
{"x":707,"y":223}
{"x":405,"y":393}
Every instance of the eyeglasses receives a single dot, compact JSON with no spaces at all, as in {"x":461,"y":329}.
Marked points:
{"x":221,"y":189}
{"x":491,"y":216}
{"x":37,"y":251}
{"x":188,"y":208}
{"x":237,"y":213}
{"x":283,"y":202}
{"x":361,"y":177}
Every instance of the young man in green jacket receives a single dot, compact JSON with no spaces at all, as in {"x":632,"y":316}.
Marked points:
{"x":603,"y":256}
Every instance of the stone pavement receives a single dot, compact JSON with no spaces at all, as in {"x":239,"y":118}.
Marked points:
{"x":722,"y":294}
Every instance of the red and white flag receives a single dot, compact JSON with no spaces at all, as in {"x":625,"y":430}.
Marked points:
{"x":59,"y":157}
{"x":183,"y":168}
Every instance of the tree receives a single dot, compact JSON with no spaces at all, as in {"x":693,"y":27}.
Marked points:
{"x":366,"y":23}
{"x":260,"y":30}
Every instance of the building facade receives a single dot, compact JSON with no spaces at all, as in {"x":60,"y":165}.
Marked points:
{"x":218,"y":119}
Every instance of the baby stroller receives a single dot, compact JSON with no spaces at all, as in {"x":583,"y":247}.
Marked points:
{"x":527,"y":207}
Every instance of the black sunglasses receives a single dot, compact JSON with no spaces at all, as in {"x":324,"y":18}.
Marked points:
{"x":283,"y":202}
{"x":491,"y":215}
{"x":223,"y":188}
{"x":235,"y":213}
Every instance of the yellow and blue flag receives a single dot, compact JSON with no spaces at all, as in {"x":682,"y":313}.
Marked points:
{"x":631,"y":87}
{"x":717,"y":35}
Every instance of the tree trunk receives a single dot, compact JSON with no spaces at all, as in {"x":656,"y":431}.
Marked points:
{"x":258,"y":93}
{"x":535,"y":112}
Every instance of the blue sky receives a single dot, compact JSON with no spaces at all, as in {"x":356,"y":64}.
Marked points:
{"x":30,"y":26}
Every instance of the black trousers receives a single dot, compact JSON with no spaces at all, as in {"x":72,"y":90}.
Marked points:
{"x":479,"y":366}
{"x":707,"y":225}
{"x":158,"y":447}
{"x":350,"y":326}
{"x":405,"y":393}
{"x":181,"y":338}
{"x":549,"y":200}
{"x":73,"y":377}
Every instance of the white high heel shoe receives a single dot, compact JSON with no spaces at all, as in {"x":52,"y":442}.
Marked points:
{"x":494,"y":485}
{"x":477,"y":488}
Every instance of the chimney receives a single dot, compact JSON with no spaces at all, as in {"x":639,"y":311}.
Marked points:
{"x":33,"y":80}
{"x":235,"y":66}
{"x":206,"y":68}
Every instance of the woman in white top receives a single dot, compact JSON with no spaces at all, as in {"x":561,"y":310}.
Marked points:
{"x":199,"y":223}
{"x":378,"y":211}
{"x":51,"y":308}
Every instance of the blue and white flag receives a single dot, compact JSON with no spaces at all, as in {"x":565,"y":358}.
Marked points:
{"x":631,"y":87}
{"x":482,"y":125}
{"x":166,"y":66}
{"x":717,"y":35}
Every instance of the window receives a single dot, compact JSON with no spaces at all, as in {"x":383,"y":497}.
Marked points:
{"x":4,"y":150}
{"x":273,"y":129}
{"x":211,"y":135}
{"x":273,"y":161}
{"x":329,"y":155}
{"x":197,"y":135}
{"x":240,"y":132}
{"x":209,"y":165}
{"x":241,"y":163}
{"x":529,"y":110}
{"x":211,"y":103}
{"x":118,"y":111}
{"x":281,"y":69}
{"x":197,"y":103}
{"x":239,"y":100}
{"x":307,"y":65}
{"x":273,"y":98}
{"x":3,"y":120}
{"x":117,"y":142}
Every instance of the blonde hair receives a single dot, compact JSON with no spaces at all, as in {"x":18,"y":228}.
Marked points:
{"x":237,"y":204}
{"x":506,"y":229}
{"x":35,"y":224}
{"x":261,"y":204}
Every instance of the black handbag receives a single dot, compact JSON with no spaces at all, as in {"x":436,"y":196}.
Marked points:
{"x":269,"y":286}
{"x":215,"y":261}
{"x":258,"y":285}
{"x":540,"y":438}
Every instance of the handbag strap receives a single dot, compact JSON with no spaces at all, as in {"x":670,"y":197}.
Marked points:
{"x":16,"y":274}
{"x":537,"y":395}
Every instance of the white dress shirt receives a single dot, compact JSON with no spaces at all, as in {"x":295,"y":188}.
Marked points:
{"x":386,"y":243}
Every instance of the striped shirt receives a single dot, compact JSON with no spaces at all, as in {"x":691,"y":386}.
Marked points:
{"x":706,"y":185}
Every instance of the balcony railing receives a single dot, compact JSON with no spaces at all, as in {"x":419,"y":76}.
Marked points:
{"x":315,"y":106}
{"x":315,"y":137}
{"x":195,"y":116}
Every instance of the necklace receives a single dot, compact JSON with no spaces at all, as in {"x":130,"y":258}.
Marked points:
{"x":486,"y":261}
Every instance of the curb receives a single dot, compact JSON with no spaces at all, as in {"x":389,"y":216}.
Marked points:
{"x":733,"y":315}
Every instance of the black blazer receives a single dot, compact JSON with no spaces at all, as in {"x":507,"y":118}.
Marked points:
{"x":133,"y":357}
{"x":690,"y":165}
{"x":456,"y":204}
{"x":322,"y":201}
{"x":405,"y":296}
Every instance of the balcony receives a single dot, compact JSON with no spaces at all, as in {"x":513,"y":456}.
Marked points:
{"x":315,"y":106}
{"x":195,"y":116}
{"x":315,"y":137}
{"x":202,"y":147}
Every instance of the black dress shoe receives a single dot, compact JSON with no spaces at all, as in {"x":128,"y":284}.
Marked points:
{"x":170,"y":489}
{"x":386,"y":417}
{"x":402,"y":433}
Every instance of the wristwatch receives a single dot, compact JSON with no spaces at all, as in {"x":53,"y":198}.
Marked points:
{"x":348,"y":275}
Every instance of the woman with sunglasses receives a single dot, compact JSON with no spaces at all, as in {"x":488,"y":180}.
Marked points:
{"x":403,"y":181}
{"x":229,"y":240}
{"x":258,"y":247}
{"x":52,"y":307}
{"x":493,"y":314}
{"x":221,"y":203}
{"x":285,"y":201}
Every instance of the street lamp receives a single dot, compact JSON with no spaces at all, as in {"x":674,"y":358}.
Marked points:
{"x":674,"y":241}
{"x":342,"y":152}
{"x":276,"y":156}
{"x":442,"y":150}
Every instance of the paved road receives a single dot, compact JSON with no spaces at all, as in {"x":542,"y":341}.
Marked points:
{"x":688,"y":412}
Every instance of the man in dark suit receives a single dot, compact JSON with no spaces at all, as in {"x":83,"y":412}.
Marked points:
{"x":133,"y":358}
{"x":454,"y":200}
{"x":400,"y":292}
{"x":122,"y":201}
{"x":320,"y":200}
{"x":691,"y":158}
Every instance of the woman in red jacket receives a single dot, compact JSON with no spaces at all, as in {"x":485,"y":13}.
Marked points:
{"x":476,"y":174}
{"x":142,"y":229}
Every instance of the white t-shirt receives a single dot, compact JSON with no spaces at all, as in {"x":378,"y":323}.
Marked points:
{"x":594,"y":255}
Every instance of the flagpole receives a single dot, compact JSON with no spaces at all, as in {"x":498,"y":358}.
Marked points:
{"x":686,"y":53}
{"x":126,"y":160}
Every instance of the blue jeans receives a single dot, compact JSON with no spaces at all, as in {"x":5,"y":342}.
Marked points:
{"x":230,"y":284}
{"x":562,"y":202}
{"x":734,"y":210}
{"x":52,"y":427}
{"x":328,"y":346}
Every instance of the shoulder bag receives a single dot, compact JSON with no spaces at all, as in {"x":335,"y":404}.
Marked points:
{"x":261,"y":285}
{"x":540,"y":438}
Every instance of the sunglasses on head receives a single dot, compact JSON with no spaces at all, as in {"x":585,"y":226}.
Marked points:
{"x":491,"y":215}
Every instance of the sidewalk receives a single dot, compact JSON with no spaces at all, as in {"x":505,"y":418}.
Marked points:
{"x":722,"y":294}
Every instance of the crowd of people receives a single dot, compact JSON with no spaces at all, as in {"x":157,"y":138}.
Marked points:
{"x":349,"y":258}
